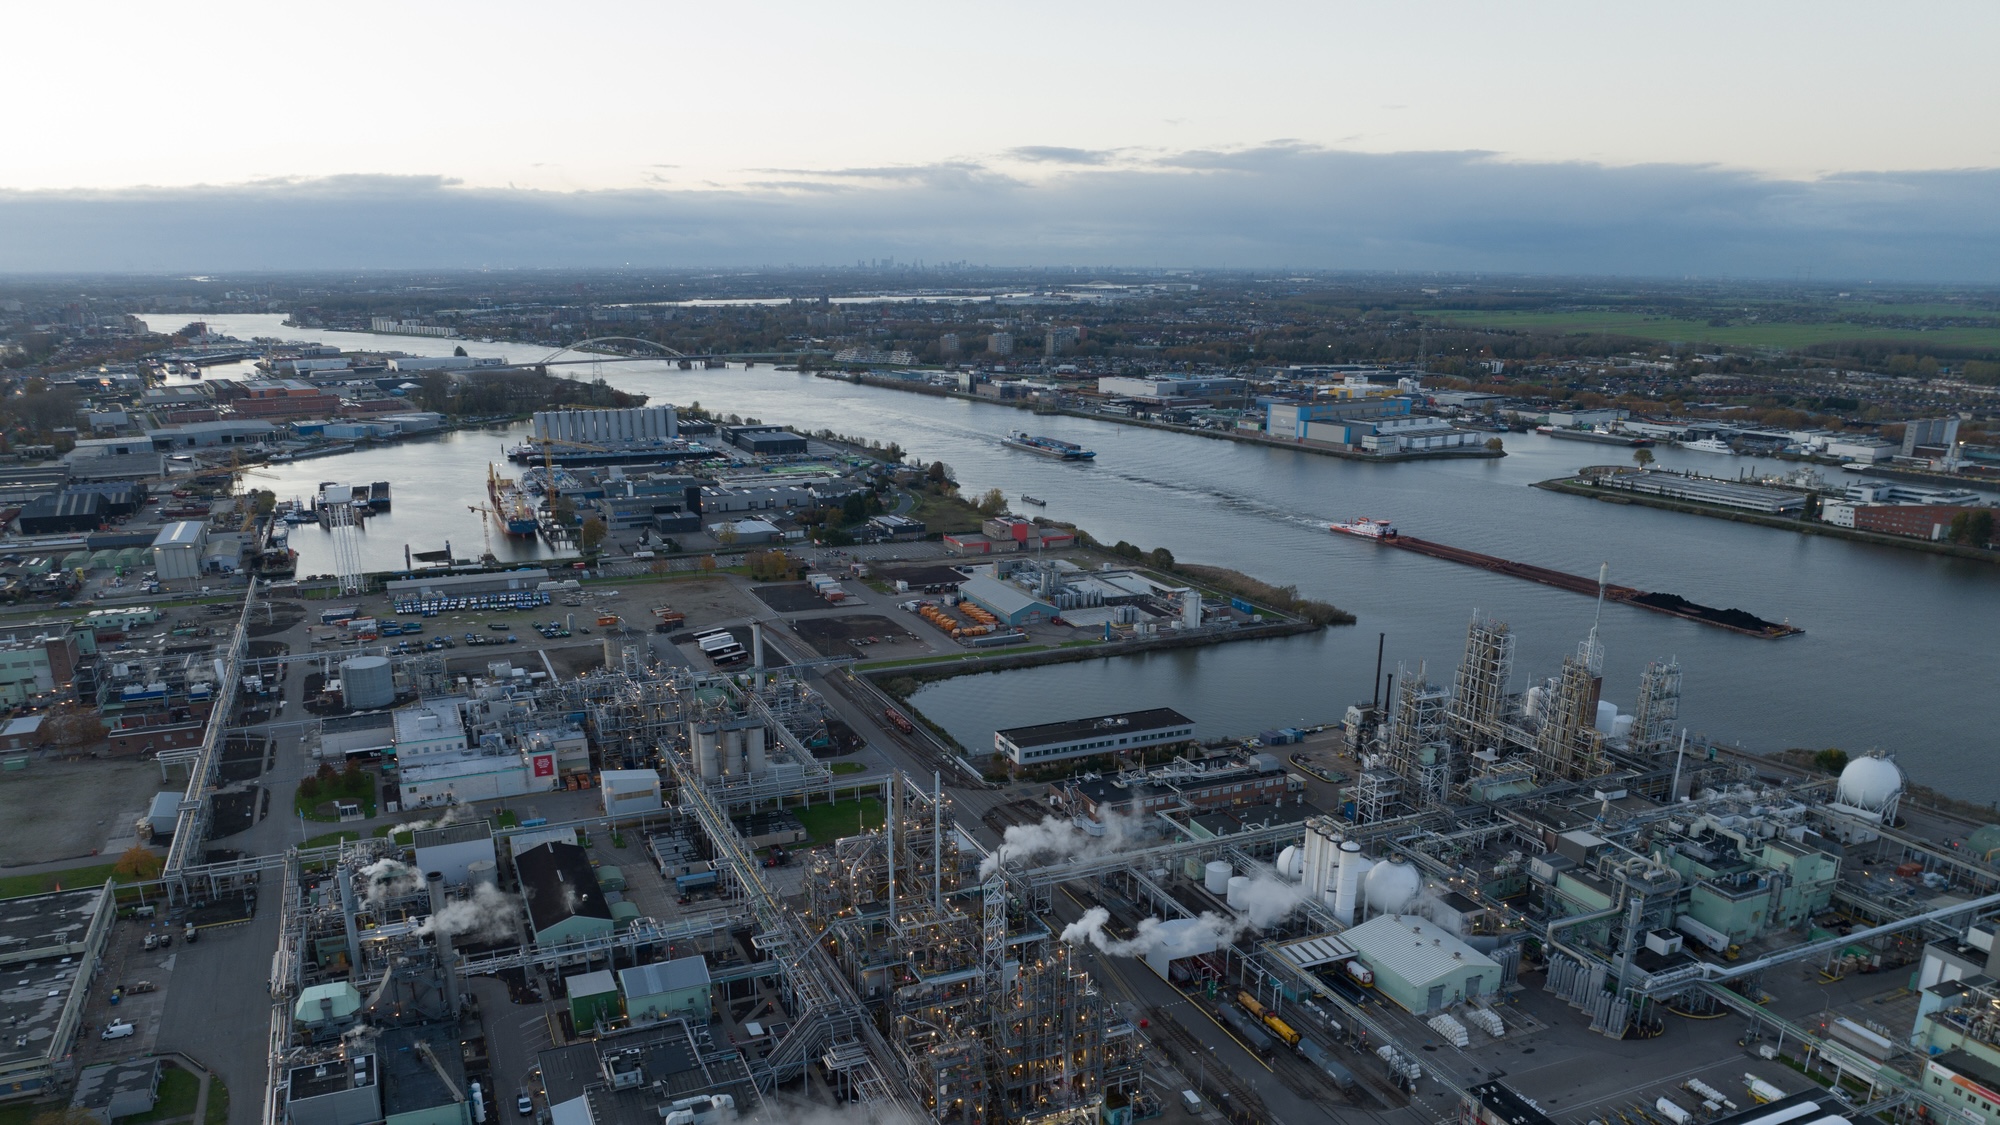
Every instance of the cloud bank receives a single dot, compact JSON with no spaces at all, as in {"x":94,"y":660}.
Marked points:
{"x":1280,"y":205}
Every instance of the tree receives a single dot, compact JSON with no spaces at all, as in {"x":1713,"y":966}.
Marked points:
{"x":137,"y":865}
{"x":591,"y":535}
{"x":1496,"y":445}
{"x":938,"y":472}
{"x":993,"y":503}
{"x":1831,"y":760}
{"x":71,"y":730}
{"x":564,"y":510}
{"x":1162,"y":558}
{"x":707,"y":564}
{"x":725,"y":534}
{"x":1642,"y":457}
{"x":854,"y":509}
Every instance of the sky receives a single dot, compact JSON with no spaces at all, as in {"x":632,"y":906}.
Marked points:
{"x":1744,"y":139}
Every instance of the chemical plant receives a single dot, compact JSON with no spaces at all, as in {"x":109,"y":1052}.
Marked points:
{"x":1213,"y":935}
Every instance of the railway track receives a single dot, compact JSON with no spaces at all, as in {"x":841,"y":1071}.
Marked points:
{"x":1223,"y":1089}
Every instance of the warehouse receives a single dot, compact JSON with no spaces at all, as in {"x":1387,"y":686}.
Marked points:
{"x":178,"y":549}
{"x":1419,"y":965}
{"x":1705,"y":490}
{"x":62,"y":512}
{"x":1006,"y":601}
{"x":1104,"y":734}
{"x":564,"y":901}
{"x":679,"y":987}
{"x":766,"y":441}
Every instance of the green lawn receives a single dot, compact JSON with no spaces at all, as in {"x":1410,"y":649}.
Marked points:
{"x":328,"y":839}
{"x":1685,"y":330}
{"x":21,"y":1113}
{"x":848,"y":767}
{"x":68,"y":879}
{"x":178,"y":1091}
{"x":315,"y":798}
{"x":218,"y":1103}
{"x":831,"y":822}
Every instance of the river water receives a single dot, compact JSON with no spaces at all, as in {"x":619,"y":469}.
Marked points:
{"x":1897,"y":653}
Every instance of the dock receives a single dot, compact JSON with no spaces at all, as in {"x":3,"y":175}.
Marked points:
{"x":1673,"y":605}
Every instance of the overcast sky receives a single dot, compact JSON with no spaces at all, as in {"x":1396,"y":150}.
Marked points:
{"x":1749,"y":139}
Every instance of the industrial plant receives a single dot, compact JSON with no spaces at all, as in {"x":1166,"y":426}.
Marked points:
{"x":1221,"y":930}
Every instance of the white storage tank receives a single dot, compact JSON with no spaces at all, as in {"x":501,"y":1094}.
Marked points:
{"x":366,"y":682}
{"x":1347,"y":882}
{"x":1291,"y":863}
{"x":1234,"y":895}
{"x":753,"y":752}
{"x":1392,"y":887}
{"x":1215,"y":877}
{"x":704,"y":754}
{"x":482,"y":873}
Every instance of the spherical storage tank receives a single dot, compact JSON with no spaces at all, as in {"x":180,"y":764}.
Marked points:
{"x":1870,"y":783}
{"x":1392,"y":887}
{"x":1291,"y":863}
{"x":1237,"y":885}
{"x":1215,"y":877}
{"x":366,"y":682}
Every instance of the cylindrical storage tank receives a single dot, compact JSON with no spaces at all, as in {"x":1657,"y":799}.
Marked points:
{"x":1672,"y":1112}
{"x":732,"y":752}
{"x":366,"y":682}
{"x":1233,"y":895}
{"x":1215,"y":877}
{"x":482,"y":873}
{"x":753,"y":751}
{"x":1607,"y":713}
{"x":1291,"y":862}
{"x":1318,"y":856}
{"x":704,"y":754}
{"x":1392,"y":887}
{"x":1346,"y":881}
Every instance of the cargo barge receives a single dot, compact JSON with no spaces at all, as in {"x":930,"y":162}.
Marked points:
{"x":1673,"y":605}
{"x":1048,"y":446}
{"x":510,"y":505}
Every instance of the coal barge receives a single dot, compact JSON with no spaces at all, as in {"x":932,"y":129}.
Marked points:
{"x":1673,"y":605}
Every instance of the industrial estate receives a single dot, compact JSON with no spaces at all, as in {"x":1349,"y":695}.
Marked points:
{"x":676,"y":847}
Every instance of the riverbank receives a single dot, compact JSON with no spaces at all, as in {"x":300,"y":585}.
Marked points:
{"x":1575,"y":486}
{"x":1342,"y":452}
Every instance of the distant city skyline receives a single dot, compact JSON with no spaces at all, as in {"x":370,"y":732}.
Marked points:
{"x":1769,"y":140}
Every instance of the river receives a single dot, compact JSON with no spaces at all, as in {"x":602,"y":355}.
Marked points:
{"x":1897,"y":652}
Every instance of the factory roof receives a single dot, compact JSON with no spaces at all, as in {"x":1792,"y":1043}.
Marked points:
{"x":410,"y":1081}
{"x":1507,"y":1105}
{"x":1070,"y":730}
{"x":46,"y":925}
{"x":665,"y":976}
{"x":672,"y":1060}
{"x":1002,"y":597}
{"x":1412,"y":948}
{"x":462,"y":832}
{"x":1832,"y":1111}
{"x":1968,"y":1065}
{"x":558,"y":883}
{"x":181,"y":533}
{"x":119,"y":1089}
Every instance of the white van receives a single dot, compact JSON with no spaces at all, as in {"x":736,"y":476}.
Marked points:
{"x":118,"y":1029}
{"x":1191,"y":1100}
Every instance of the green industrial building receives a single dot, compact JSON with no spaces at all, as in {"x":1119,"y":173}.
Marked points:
{"x":679,"y":987}
{"x":1421,"y":966}
{"x":593,"y":999}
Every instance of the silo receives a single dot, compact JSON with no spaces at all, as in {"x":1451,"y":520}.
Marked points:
{"x":366,"y":682}
{"x":1234,"y":895}
{"x":1215,"y":877}
{"x":732,"y":752}
{"x":753,"y":752}
{"x":482,"y":873}
{"x":704,"y":753}
{"x":1347,"y":881}
{"x":1322,"y":846}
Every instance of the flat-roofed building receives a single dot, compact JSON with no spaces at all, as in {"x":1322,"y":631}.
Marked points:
{"x":1102,"y":734}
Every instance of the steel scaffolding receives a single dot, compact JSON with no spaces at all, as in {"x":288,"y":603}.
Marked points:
{"x":1420,"y":743}
{"x":1479,"y":696}
{"x":1659,"y":707}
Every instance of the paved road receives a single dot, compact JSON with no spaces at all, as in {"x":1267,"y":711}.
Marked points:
{"x":218,"y":1007}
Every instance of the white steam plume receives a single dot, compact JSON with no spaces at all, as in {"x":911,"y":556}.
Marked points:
{"x":1266,"y":901}
{"x":387,"y":879}
{"x":1054,"y":839}
{"x":488,"y":915}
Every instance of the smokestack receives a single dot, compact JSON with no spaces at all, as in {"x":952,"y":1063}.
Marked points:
{"x":757,"y":645}
{"x":447,"y":958}
{"x":1381,"y":639}
{"x":347,"y":915}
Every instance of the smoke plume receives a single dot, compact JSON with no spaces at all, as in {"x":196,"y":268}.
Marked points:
{"x":386,"y":880}
{"x":488,"y":915}
{"x":1055,"y":839}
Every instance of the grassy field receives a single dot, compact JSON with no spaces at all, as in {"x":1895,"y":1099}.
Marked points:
{"x":1681,"y":330}
{"x":328,"y":839}
{"x":218,"y":1103}
{"x":178,"y":1091}
{"x":70,"y":879}
{"x":826,"y":823}
{"x":847,"y":767}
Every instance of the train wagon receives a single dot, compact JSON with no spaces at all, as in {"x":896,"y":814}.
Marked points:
{"x":1248,"y":1030}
